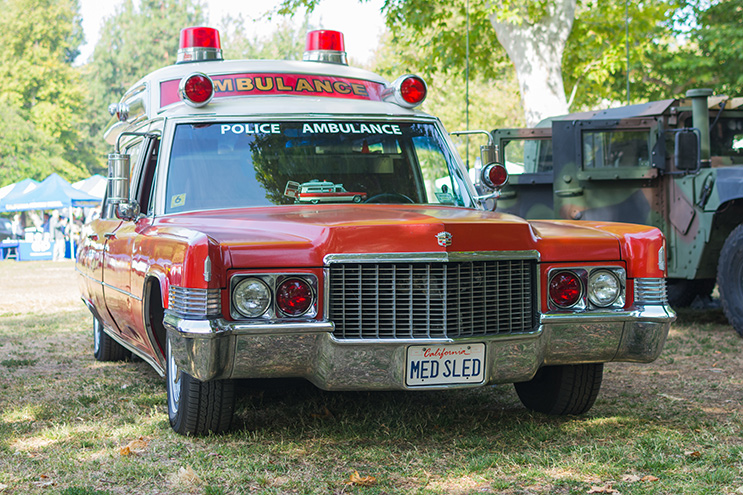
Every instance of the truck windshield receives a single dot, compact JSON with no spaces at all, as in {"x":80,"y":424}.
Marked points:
{"x":228,"y":165}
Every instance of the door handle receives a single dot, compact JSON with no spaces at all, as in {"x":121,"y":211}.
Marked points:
{"x":109,"y":235}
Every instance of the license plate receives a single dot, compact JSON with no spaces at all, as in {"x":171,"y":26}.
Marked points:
{"x":445,"y":364}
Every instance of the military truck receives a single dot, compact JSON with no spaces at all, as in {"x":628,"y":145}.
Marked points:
{"x":676,"y":164}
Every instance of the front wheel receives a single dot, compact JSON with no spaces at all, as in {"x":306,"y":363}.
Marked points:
{"x":730,"y":278}
{"x":562,"y":390}
{"x":196,"y":407}
{"x":104,"y":347}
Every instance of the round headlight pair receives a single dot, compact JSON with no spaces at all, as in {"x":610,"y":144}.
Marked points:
{"x":566,"y":288}
{"x":252,"y":297}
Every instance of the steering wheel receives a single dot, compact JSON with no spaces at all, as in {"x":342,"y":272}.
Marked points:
{"x":393,"y":197}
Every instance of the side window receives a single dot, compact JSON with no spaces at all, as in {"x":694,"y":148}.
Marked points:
{"x":527,"y":156}
{"x":605,"y":149}
{"x":146,"y":183}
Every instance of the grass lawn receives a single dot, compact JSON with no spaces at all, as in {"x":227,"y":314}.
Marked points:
{"x":70,"y":425}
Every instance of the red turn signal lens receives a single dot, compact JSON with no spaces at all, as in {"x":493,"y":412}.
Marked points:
{"x":294,"y":297}
{"x":196,"y":90}
{"x":495,"y":176}
{"x":565,"y":289}
{"x":413,"y":90}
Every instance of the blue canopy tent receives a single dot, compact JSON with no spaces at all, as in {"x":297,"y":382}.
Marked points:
{"x":8,"y":193}
{"x":52,"y":193}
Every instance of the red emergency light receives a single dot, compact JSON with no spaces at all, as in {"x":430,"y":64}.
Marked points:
{"x":408,"y":91}
{"x":199,"y":44}
{"x":196,"y":89}
{"x":324,"y":45}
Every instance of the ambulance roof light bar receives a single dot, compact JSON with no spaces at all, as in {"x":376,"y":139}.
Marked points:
{"x":323,"y":45}
{"x":199,"y":44}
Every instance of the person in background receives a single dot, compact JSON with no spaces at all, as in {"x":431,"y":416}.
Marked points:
{"x":18,"y":227}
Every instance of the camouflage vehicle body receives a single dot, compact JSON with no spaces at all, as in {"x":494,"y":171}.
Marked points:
{"x":629,"y":165}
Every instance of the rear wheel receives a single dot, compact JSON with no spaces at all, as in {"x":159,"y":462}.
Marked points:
{"x":730,"y":278}
{"x":196,"y":407}
{"x":562,"y":390}
{"x":104,"y":347}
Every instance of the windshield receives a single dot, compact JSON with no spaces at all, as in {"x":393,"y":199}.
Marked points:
{"x":228,"y":165}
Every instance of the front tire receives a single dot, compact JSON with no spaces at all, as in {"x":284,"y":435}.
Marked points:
{"x":730,"y":278}
{"x":105,"y":348}
{"x":196,"y":407}
{"x":562,"y":390}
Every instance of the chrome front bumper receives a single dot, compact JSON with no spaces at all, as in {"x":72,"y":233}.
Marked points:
{"x":218,"y":349}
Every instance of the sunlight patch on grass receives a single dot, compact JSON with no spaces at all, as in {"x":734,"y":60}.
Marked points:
{"x":25,"y":414}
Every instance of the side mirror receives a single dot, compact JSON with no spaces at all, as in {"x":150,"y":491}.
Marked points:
{"x":119,"y":165}
{"x":687,"y":151}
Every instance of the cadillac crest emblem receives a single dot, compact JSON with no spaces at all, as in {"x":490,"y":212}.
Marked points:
{"x":444,"y":239}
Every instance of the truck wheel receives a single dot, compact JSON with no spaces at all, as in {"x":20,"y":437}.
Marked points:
{"x":562,"y":390}
{"x":730,"y":278}
{"x":196,"y":407}
{"x":104,"y":347}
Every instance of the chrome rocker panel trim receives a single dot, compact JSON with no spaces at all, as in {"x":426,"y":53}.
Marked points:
{"x":218,"y":349}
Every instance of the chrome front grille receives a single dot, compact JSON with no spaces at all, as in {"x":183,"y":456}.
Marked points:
{"x":194,"y":303}
{"x":432,"y":300}
{"x":650,"y":291}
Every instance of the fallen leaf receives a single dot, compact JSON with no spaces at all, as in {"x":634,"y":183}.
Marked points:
{"x":671,"y":397}
{"x":359,"y":481}
{"x":134,"y":447}
{"x":187,"y":476}
{"x":3,"y":487}
{"x":695,"y":454}
{"x":650,"y":478}
{"x":630,"y":478}
{"x":326,"y":414}
{"x":604,"y":489}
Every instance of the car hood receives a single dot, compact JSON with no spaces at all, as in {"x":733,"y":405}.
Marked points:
{"x":302,"y":236}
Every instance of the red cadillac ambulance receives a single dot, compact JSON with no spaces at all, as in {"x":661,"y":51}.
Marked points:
{"x":206,"y":263}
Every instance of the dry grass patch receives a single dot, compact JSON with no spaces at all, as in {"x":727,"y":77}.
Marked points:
{"x":66,"y":419}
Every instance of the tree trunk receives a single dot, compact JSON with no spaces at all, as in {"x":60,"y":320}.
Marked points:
{"x":536,"y":51}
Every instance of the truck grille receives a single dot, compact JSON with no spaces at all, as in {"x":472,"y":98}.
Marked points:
{"x":432,"y":300}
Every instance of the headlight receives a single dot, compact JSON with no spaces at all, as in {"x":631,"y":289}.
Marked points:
{"x":251,"y":297}
{"x":603,"y":288}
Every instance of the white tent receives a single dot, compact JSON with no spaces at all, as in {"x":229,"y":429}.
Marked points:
{"x":95,"y":185}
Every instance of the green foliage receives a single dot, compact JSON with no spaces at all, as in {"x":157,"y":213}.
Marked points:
{"x":136,"y":40}
{"x":285,"y":43}
{"x":719,"y":36}
{"x":42,"y":98}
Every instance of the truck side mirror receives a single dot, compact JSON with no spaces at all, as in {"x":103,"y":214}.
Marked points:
{"x":687,"y":153}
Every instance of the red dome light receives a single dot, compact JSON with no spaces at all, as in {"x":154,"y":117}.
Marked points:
{"x":201,"y":37}
{"x":324,"y":45}
{"x":294,"y":297}
{"x":196,"y":90}
{"x":199,"y":44}
{"x":565,"y":289}
{"x":324,"y":39}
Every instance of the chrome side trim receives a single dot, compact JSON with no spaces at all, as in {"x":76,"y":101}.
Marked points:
{"x":122,"y":291}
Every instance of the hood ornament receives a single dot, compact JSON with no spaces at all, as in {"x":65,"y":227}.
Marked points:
{"x":444,"y":239}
